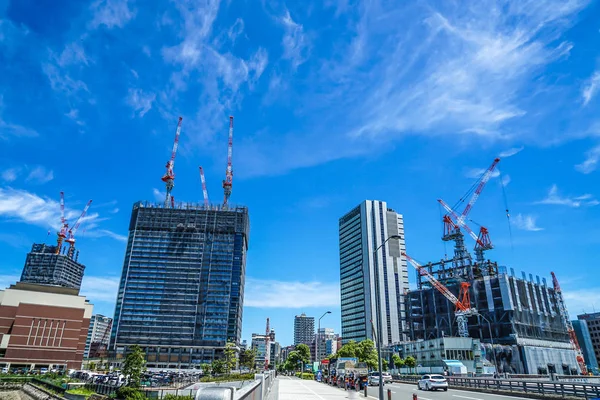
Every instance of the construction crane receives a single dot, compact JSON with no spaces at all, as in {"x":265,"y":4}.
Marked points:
{"x":71,"y":235}
{"x":227,"y":183}
{"x":267,"y":345}
{"x":562,"y":309}
{"x":103,"y":345}
{"x":169,"y":176}
{"x":204,"y":191}
{"x":62,"y":233}
{"x":452,"y":228}
{"x":462,"y":303}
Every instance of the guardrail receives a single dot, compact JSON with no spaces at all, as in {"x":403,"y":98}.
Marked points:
{"x":556,"y":388}
{"x":258,"y":390}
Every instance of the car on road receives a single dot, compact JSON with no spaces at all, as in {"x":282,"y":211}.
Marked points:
{"x":432,"y":382}
{"x":374,"y":379}
{"x":387,"y":378}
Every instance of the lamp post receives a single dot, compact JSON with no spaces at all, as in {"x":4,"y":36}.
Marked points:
{"x":317,"y":340}
{"x":491,"y":339}
{"x":379,"y":335}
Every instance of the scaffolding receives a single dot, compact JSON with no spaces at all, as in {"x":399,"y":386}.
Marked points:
{"x":43,"y":266}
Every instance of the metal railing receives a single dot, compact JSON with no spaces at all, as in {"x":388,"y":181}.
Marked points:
{"x":557,"y":388}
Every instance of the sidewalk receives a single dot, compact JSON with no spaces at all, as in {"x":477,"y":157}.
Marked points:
{"x":296,"y":389}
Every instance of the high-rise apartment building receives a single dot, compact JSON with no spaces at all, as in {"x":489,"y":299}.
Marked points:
{"x":98,"y":336}
{"x":263,"y":352}
{"x":45,"y":266}
{"x":593,"y":324}
{"x":324,"y":339}
{"x":304,"y":329}
{"x":361,"y":232}
{"x":182,"y":286}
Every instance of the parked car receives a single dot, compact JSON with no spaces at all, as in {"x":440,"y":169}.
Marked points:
{"x":387,"y":378}
{"x":432,"y":382}
{"x":374,"y":379}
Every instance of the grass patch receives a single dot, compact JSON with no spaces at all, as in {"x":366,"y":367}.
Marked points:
{"x":81,"y":391}
{"x":228,"y":378}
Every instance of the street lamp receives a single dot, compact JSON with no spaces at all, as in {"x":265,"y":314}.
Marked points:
{"x":317,"y":341}
{"x":378,"y":311}
{"x":491,"y":339}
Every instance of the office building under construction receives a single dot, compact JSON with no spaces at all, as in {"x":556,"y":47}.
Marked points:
{"x":45,"y":265}
{"x":182,"y":286}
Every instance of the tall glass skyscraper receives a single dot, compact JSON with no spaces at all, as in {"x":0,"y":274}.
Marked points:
{"x":182,"y":287}
{"x":361,"y":232}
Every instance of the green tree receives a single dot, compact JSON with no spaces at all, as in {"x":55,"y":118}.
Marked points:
{"x":230,"y":356}
{"x":410,"y":362}
{"x":205,"y":369}
{"x":365,"y":351}
{"x":247,"y":358}
{"x":134,"y":365}
{"x":384,"y":364}
{"x":398,"y":362}
{"x":294,"y":358}
{"x":304,"y":352}
{"x":347,"y":350}
{"x":218,"y":367}
{"x":92,"y":366}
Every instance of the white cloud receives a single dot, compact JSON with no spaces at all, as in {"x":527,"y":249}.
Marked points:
{"x":61,"y":82}
{"x":295,"y":43}
{"x":40,"y":175}
{"x":73,"y":114}
{"x":22,"y":206}
{"x":7,"y":280}
{"x":553,"y":198}
{"x":294,"y":294}
{"x":140,"y":101}
{"x":159,"y":195}
{"x":590,"y":88}
{"x":505,"y":180}
{"x":111,"y":13}
{"x":591,"y":162}
{"x":100,"y":289}
{"x":511,"y":152}
{"x":476,"y":173}
{"x":236,"y":29}
{"x":525,"y":222}
{"x":8,"y":129}
{"x":10,"y":174}
{"x":579,"y":301}
{"x":73,"y":54}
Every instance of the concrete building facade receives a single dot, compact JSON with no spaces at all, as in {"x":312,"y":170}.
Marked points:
{"x":182,"y":285}
{"x":592,"y":322}
{"x":362,"y":231}
{"x":43,"y":326}
{"x":304,"y":329}
{"x":324,"y":337}
{"x":43,"y":266}
{"x":263,"y":352}
{"x":98,"y":336}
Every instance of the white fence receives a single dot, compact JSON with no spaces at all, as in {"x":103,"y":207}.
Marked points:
{"x":257,"y":390}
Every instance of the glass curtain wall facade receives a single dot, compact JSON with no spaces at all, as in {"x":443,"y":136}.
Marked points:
{"x":361,"y":232}
{"x":181,"y":292}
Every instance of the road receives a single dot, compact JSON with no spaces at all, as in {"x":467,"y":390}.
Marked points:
{"x":402,"y":391}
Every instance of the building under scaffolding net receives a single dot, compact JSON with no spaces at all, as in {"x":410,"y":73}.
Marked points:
{"x":43,"y":266}
{"x":522,"y":316}
{"x":182,"y":284}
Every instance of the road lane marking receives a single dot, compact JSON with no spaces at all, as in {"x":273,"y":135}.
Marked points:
{"x":465,"y":397}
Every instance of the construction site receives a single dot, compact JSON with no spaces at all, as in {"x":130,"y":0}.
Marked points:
{"x":519,"y":324}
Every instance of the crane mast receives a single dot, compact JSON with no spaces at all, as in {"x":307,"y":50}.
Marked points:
{"x":228,"y":182}
{"x":562,"y":308}
{"x":204,"y":191}
{"x":462,"y":303}
{"x":169,"y":176}
{"x":64,"y":226}
{"x":71,"y":235}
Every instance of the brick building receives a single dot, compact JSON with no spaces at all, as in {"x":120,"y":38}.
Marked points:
{"x":43,"y":326}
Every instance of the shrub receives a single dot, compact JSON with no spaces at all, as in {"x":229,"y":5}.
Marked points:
{"x":129,"y":393}
{"x":306,"y":375}
{"x":173,"y":397}
{"x":228,"y":378}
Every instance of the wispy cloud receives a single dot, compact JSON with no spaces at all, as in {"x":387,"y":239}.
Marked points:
{"x":40,"y":174}
{"x":295,"y":294}
{"x":73,"y":114}
{"x":111,"y":13}
{"x":505,"y":180}
{"x":581,"y":300}
{"x":102,"y":289}
{"x":590,"y":88}
{"x":590,"y":164}
{"x":23,"y":206}
{"x":295,"y":42}
{"x":140,"y":101}
{"x":10,"y":174}
{"x":525,"y":222}
{"x":236,"y":29}
{"x":7,"y":280}
{"x":158,"y":195}
{"x":8,"y":129}
{"x":554,"y":198}
{"x":511,"y":152}
{"x":476,"y":173}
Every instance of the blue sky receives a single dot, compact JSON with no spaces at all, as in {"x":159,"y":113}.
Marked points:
{"x":335,"y":102}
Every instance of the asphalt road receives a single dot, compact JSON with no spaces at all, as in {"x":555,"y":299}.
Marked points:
{"x":402,"y":391}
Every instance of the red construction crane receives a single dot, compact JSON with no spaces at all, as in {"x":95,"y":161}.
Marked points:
{"x":452,"y":228}
{"x":62,"y":233}
{"x":204,"y":191}
{"x":227,"y":183}
{"x":169,"y":176}
{"x":71,"y":235}
{"x":267,"y":345}
{"x":562,"y":309}
{"x":462,"y":302}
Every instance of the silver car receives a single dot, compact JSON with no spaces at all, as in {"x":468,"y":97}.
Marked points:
{"x":374,"y":379}
{"x":432,"y":382}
